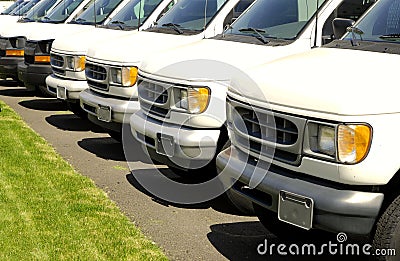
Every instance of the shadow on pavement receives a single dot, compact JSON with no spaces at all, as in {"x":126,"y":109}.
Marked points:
{"x":105,"y":148}
{"x":219,"y":204}
{"x":16,"y":92}
{"x":239,"y":241}
{"x":71,"y":122}
{"x":9,"y":83}
{"x":44,"y":105}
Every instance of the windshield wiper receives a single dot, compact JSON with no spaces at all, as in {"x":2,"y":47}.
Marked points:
{"x":354,"y":30}
{"x":26,"y":19}
{"x":175,"y":26}
{"x":78,"y":21}
{"x":120,"y":24}
{"x":390,"y":37}
{"x":258,"y":32}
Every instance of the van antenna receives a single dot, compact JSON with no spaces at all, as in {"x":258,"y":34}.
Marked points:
{"x":316,"y":25}
{"x":140,"y":10}
{"x":205,"y":16}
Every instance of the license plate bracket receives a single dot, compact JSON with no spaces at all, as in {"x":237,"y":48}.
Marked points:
{"x":295,"y":209}
{"x":165,"y":145}
{"x":104,"y":113}
{"x":61,"y":93}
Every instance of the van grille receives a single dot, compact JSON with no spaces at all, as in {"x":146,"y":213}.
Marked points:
{"x":95,"y":72}
{"x":153,"y":92}
{"x":96,"y":76}
{"x":56,"y":60}
{"x":29,"y":52}
{"x":57,"y":64}
{"x":266,"y":133}
{"x":154,"y":97}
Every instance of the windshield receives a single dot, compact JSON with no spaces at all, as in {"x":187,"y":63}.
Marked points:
{"x":12,"y":7}
{"x":39,"y":10}
{"x":381,"y":24}
{"x":102,"y":9}
{"x":62,"y":11}
{"x":280,"y":19}
{"x":191,"y":14}
{"x":129,"y":16}
{"x":23,"y":10}
{"x":18,"y":9}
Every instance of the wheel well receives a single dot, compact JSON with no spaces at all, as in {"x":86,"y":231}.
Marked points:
{"x":223,"y":138}
{"x":391,"y":190}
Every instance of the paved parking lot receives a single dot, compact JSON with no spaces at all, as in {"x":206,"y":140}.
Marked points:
{"x":207,"y":231}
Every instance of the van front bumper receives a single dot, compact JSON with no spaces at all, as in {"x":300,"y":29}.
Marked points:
{"x":73,"y":87}
{"x":33,"y":75}
{"x":9,"y":67}
{"x":121,"y":109}
{"x":335,"y":209}
{"x":187,"y":148}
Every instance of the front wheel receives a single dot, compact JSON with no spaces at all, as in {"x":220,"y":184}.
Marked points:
{"x":387,"y":235}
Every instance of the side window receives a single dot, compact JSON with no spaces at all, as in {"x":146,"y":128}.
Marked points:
{"x":349,"y":9}
{"x":169,"y":6}
{"x":236,"y":11}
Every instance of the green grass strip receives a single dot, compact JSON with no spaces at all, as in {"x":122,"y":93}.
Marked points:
{"x":50,"y":212}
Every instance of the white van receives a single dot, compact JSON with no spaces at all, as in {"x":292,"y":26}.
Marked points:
{"x":68,"y":53}
{"x":182,"y":96}
{"x":333,"y":135}
{"x":111,"y":68}
{"x":36,"y":66}
{"x":12,"y":48}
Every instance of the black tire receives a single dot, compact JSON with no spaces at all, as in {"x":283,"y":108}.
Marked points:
{"x":285,"y":231}
{"x":387,"y":234}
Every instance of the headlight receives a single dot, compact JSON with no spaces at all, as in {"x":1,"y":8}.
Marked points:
{"x":345,"y":143}
{"x":125,"y":76}
{"x":76,"y":63}
{"x":353,"y":142}
{"x":194,"y":100}
{"x":326,"y":140}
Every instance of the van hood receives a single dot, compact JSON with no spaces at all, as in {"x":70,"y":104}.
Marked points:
{"x":80,"y":42}
{"x":327,"y":80}
{"x":5,"y":20}
{"x":41,"y":31}
{"x":131,"y":49}
{"x":17,"y":29}
{"x":212,"y":59}
{"x":46,"y":31}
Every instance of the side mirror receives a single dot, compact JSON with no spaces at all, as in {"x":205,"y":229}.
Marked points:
{"x":340,"y":25}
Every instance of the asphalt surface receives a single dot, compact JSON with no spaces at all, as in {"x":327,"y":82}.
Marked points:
{"x":207,"y":231}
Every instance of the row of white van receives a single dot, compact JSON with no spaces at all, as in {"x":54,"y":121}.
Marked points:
{"x":303,"y":137}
